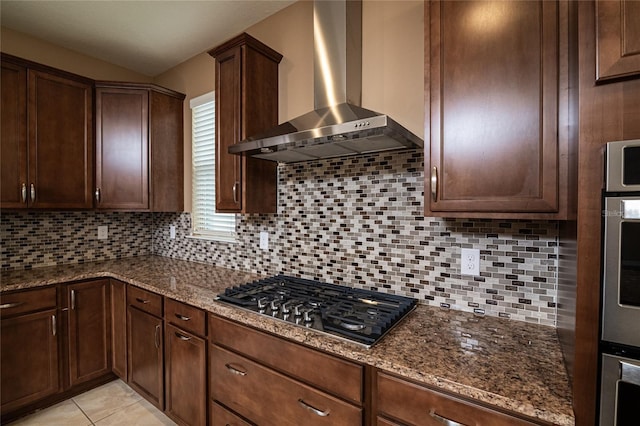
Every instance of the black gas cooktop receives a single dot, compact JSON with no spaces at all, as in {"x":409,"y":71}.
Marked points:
{"x":360,"y":316}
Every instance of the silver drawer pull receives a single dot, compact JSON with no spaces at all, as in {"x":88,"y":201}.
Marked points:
{"x":23,"y":192}
{"x":234,"y":370}
{"x":313,"y":409}
{"x":182,"y":336}
{"x":156,"y":337}
{"x":434,"y":183}
{"x":10,"y":305}
{"x":143,"y":301}
{"x":182,"y":317}
{"x":443,"y":420}
{"x":54,"y":326}
{"x":33,"y":193}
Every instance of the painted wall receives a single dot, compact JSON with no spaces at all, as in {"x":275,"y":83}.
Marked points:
{"x":33,"y":49}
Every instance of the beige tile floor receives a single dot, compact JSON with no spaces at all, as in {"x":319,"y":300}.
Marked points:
{"x":114,"y":403}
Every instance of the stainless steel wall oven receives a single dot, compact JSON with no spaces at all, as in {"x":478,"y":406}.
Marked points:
{"x":620,"y":337}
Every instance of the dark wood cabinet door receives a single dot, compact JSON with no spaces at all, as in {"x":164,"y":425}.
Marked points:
{"x":122,"y":148}
{"x":167,"y":152}
{"x":228,"y":130}
{"x":60,"y":163}
{"x":246,"y":104}
{"x":119,"y":328}
{"x":185,"y":371}
{"x":494,"y":107}
{"x":89,"y":330}
{"x":617,"y":39}
{"x":145,"y":356}
{"x":29,"y":349}
{"x":13,"y":141}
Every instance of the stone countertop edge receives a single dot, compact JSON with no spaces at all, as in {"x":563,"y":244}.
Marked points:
{"x":507,"y":364}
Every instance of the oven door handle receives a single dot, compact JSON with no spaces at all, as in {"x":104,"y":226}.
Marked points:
{"x":630,"y":373}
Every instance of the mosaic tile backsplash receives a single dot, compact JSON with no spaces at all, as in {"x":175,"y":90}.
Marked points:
{"x":33,"y":239}
{"x":356,"y":221}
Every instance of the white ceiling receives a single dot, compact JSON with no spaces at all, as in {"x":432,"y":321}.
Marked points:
{"x":149,"y":37}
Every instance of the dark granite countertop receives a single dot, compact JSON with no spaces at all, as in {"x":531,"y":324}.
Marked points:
{"x":509,"y":364}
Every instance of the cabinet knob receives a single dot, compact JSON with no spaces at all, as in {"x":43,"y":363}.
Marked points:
{"x":23,"y":192}
{"x":434,"y":183}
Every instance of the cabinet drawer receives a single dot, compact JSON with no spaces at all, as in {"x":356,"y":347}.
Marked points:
{"x":329,"y":373}
{"x":145,"y":300}
{"x":27,"y":301}
{"x":270,"y":398}
{"x":220,"y":416}
{"x":185,"y":316}
{"x":417,"y":405}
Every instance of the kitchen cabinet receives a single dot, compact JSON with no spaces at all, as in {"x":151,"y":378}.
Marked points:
{"x":145,"y":345}
{"x":246,"y":104}
{"x":307,"y":386}
{"x":497,"y":91}
{"x":409,"y":403}
{"x":52,"y":167}
{"x":118,"y":296}
{"x":29,"y":347}
{"x":219,"y":416}
{"x":617,"y":39}
{"x":139,"y":147}
{"x":89,"y":330}
{"x":13,"y":144}
{"x":185,"y":363}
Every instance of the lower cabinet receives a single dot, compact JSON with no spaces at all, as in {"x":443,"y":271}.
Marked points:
{"x":145,"y":355}
{"x":119,"y":328}
{"x":89,"y":330}
{"x":185,"y":364}
{"x":29,"y":348}
{"x":401,"y":402}
{"x":270,"y":381}
{"x":220,"y":416}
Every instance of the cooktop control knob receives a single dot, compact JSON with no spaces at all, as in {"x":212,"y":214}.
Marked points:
{"x":262,"y":303}
{"x":275,"y":305}
{"x":308,"y":316}
{"x":297,"y":312}
{"x":286,"y":307}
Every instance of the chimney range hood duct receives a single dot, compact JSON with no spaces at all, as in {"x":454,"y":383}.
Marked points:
{"x":338,"y":126}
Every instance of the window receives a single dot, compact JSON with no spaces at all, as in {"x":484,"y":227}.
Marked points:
{"x":206,"y":223}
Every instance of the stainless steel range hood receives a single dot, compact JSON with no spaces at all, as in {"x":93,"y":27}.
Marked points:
{"x":338,"y":126}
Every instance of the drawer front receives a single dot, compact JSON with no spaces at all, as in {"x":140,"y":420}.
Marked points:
{"x":145,"y":300}
{"x":381,"y":421}
{"x":27,"y":301}
{"x":185,"y":316}
{"x":417,"y":405}
{"x":329,"y":373}
{"x":220,"y":416}
{"x":270,"y":398}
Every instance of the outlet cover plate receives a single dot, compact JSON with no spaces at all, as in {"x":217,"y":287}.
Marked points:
{"x":264,"y":240}
{"x":470,"y":262}
{"x":103,"y":232}
{"x":172,"y":232}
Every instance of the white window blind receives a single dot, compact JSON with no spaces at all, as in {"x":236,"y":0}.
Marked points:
{"x":206,"y":222}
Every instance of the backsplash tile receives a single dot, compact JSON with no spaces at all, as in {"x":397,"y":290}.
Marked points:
{"x":33,"y":239}
{"x":358,"y":221}
{"x":355,"y":221}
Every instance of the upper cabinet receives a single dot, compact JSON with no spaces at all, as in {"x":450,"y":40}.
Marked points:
{"x":246,"y":104}
{"x":47,"y":137}
{"x":139,"y":147}
{"x":497,"y":88}
{"x":617,"y":38}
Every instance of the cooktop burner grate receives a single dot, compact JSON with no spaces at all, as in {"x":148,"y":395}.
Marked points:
{"x":360,"y":316}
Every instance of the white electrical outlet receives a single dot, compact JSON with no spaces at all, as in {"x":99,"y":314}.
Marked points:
{"x":172,"y":232}
{"x":470,"y":262}
{"x":264,"y":240}
{"x":103,"y":232}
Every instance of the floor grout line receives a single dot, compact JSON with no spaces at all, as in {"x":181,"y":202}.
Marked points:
{"x":81,"y":410}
